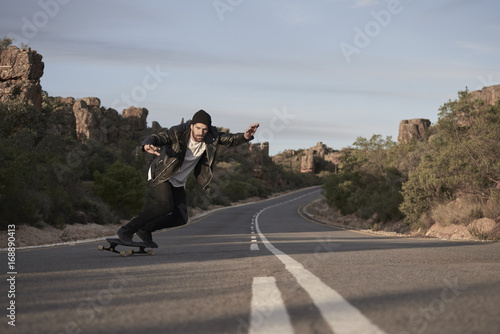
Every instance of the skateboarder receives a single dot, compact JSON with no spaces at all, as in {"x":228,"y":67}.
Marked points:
{"x":180,"y":150}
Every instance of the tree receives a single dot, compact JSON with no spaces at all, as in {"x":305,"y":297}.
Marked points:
{"x":4,"y":43}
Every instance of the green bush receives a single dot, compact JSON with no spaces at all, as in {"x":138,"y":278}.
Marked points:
{"x":122,"y":187}
{"x":366,"y":185}
{"x":30,"y":191}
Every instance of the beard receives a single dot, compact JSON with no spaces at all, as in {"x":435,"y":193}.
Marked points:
{"x":198,"y":138}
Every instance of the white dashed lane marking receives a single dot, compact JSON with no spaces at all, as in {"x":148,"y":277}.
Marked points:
{"x":268,"y":311}
{"x":253,"y":241}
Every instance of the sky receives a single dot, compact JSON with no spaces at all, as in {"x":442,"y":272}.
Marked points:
{"x":308,"y":71}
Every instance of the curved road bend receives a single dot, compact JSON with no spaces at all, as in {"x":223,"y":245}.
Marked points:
{"x":261,"y":268}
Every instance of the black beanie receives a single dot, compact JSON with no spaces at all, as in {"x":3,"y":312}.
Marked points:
{"x":202,"y":117}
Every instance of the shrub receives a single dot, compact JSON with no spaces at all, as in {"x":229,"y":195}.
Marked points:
{"x":366,"y":184}
{"x":462,"y":159}
{"x":122,"y":187}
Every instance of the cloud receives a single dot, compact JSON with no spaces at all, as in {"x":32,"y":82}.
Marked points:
{"x":293,"y":13}
{"x":478,"y":48}
{"x":452,"y":6}
{"x":364,"y":3}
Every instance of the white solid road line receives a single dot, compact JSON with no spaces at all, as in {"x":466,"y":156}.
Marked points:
{"x":268,"y":312}
{"x":341,"y":316}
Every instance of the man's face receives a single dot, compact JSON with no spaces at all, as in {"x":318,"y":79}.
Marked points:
{"x":198,"y":131}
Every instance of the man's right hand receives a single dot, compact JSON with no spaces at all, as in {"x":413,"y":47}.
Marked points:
{"x":152,"y":149}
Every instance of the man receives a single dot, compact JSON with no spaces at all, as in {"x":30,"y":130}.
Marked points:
{"x":179,"y":150}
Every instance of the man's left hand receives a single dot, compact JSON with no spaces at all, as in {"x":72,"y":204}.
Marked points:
{"x":251,"y":131}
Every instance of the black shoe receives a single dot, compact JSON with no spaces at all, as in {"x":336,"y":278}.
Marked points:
{"x":125,"y":235}
{"x":147,"y":237}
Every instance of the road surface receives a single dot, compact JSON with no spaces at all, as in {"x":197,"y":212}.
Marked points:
{"x":259,"y":268}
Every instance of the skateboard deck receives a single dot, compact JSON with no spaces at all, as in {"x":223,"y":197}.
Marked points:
{"x":113,"y":242}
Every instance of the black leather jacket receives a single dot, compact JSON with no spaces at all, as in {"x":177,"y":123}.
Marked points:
{"x":174,"y":145}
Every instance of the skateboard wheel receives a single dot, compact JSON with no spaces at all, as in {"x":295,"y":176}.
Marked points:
{"x":100,"y":247}
{"x":151,"y":252}
{"x":131,"y":252}
{"x":123,"y":253}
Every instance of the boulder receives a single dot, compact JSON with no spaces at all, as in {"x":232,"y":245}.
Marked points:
{"x":20,"y":73}
{"x":451,"y":232}
{"x":136,"y":118}
{"x":92,"y":102}
{"x":489,"y":95}
{"x":413,"y":129}
{"x":90,"y":120}
{"x":68,"y":100}
{"x":307,"y":162}
{"x":482,"y":228}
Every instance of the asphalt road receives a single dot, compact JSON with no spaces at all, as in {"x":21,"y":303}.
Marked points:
{"x":259,"y":268}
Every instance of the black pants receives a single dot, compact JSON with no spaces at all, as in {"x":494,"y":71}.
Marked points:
{"x":170,"y":211}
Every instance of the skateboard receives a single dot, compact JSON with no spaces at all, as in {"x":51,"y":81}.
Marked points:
{"x":113,"y":242}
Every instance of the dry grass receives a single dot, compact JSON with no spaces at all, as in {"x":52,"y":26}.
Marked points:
{"x":465,"y":211}
{"x":462,"y":211}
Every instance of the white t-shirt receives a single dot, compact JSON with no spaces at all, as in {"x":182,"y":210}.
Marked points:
{"x":193,"y":154}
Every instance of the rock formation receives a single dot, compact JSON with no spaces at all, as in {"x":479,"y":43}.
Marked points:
{"x":413,"y":129}
{"x":489,"y":95}
{"x":319,"y":158}
{"x":92,"y":121}
{"x":307,"y":162}
{"x":311,"y":161}
{"x":327,"y":154}
{"x":20,"y":73}
{"x":259,"y":156}
{"x":262,"y":148}
{"x":136,"y":118}
{"x":417,"y":128}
